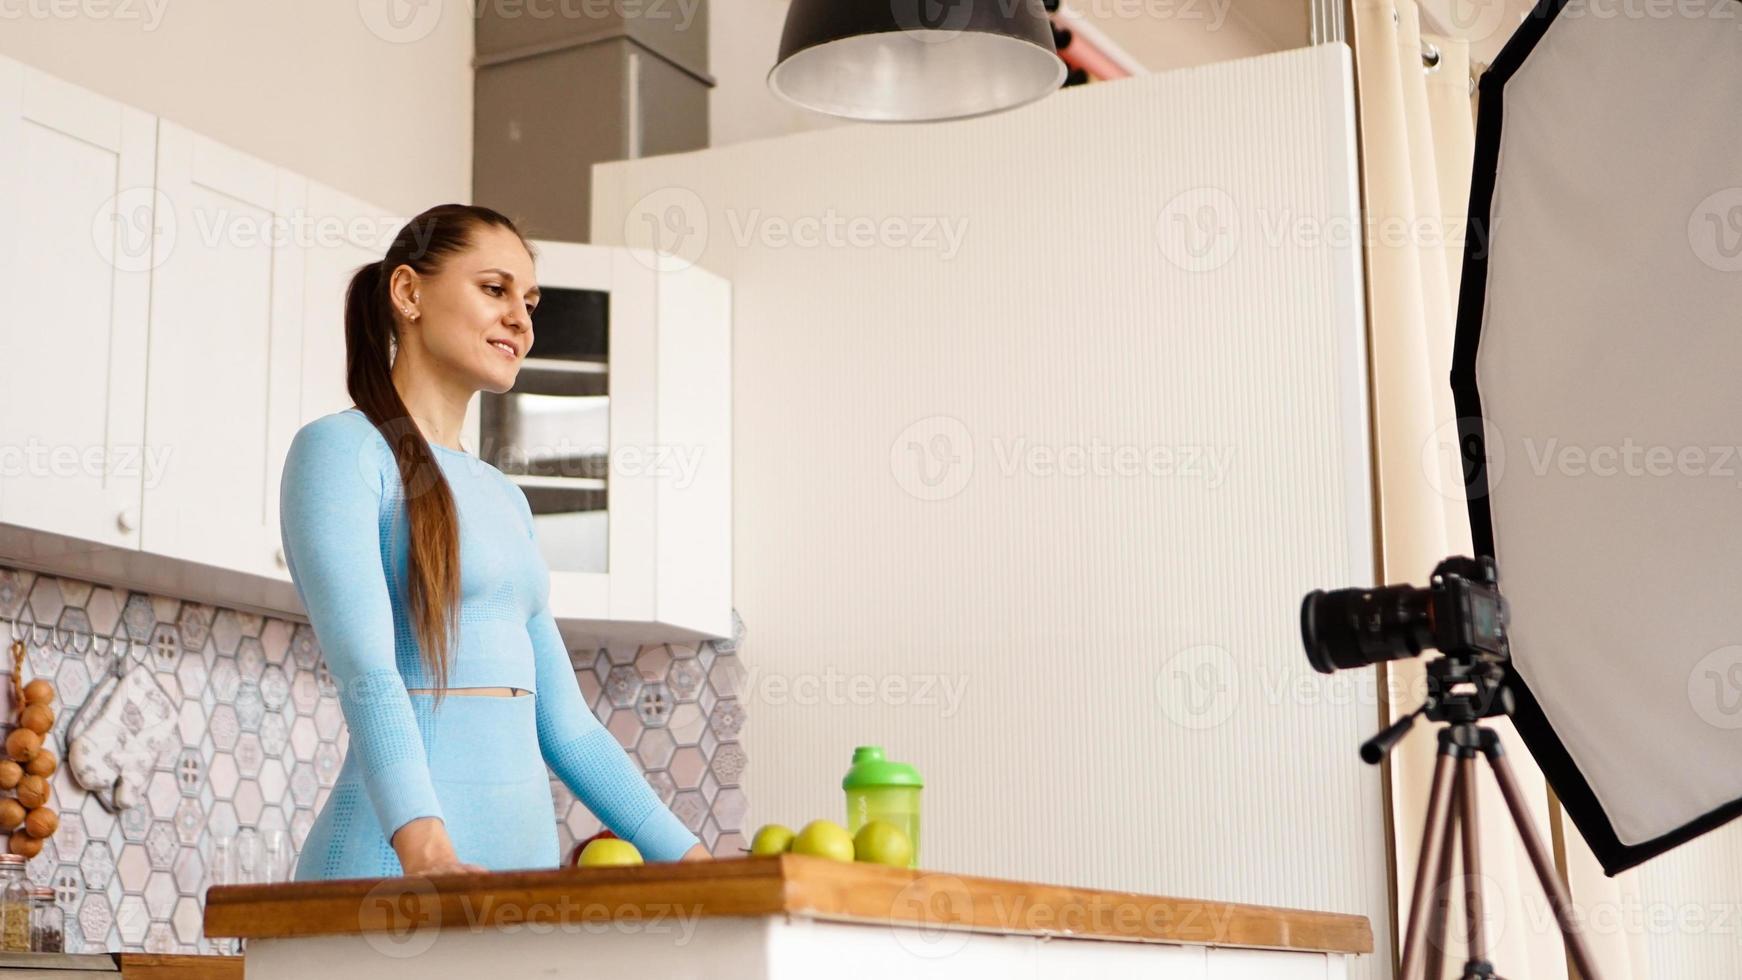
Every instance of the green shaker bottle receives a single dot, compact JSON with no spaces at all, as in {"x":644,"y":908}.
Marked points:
{"x":878,"y":789}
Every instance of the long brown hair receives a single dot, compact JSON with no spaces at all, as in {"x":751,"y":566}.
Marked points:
{"x":432,"y":587}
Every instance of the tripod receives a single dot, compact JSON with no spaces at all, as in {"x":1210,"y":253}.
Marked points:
{"x":1462,"y":692}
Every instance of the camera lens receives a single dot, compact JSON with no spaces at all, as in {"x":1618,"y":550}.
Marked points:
{"x":1357,"y":627}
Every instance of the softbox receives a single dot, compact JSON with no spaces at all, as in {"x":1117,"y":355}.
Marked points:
{"x":1598,"y":379}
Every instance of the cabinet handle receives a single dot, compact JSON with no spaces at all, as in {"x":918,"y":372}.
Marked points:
{"x":278,"y":556}
{"x":125,"y":520}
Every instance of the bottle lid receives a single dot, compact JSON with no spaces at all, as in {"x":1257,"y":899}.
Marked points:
{"x":6,"y":860}
{"x":42,"y":891}
{"x":870,"y":769}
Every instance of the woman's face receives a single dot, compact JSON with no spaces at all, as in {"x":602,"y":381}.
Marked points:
{"x":481,"y":300}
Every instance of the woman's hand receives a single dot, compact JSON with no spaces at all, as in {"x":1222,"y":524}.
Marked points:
{"x":697,"y":853}
{"x":454,"y":867}
{"x":424,"y":848}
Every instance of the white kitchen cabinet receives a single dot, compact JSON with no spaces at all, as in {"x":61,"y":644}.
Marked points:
{"x":223,"y":384}
{"x":76,"y":213}
{"x":619,"y":430}
{"x":175,"y":314}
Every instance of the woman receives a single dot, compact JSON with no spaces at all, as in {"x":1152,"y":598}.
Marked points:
{"x":452,"y":677}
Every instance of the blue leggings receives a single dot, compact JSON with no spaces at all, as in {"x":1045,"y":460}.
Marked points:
{"x":489,"y":775}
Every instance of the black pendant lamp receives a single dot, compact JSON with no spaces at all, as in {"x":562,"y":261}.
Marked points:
{"x":915,"y":60}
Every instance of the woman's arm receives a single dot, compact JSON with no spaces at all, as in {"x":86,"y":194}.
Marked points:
{"x":586,"y":757}
{"x":590,"y":762}
{"x":336,"y":474}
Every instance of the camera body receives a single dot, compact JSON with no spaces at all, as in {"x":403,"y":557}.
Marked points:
{"x":1461,"y":613}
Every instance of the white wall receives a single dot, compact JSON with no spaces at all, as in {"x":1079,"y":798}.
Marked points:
{"x":333,"y":91}
{"x":1127,"y":704}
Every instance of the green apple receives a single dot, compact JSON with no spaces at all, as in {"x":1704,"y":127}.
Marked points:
{"x":609,"y":852}
{"x":881,"y":842}
{"x":824,"y":839}
{"x":771,"y":838}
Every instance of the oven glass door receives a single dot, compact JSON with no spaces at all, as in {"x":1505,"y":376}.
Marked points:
{"x":551,"y":433}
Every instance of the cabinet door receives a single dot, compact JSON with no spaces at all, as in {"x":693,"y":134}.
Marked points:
{"x":223,"y":388}
{"x":581,"y":544}
{"x":76,"y":248}
{"x":348,"y":234}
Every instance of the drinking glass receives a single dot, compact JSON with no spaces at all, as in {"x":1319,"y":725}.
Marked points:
{"x":249,"y":862}
{"x":277,"y":857}
{"x":222,"y":869}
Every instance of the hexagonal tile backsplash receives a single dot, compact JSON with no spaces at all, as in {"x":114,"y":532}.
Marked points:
{"x":262,"y":739}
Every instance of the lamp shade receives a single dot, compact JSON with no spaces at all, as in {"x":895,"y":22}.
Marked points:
{"x":915,"y":60}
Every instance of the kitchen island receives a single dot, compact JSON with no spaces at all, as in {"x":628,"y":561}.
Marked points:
{"x":786,"y":916}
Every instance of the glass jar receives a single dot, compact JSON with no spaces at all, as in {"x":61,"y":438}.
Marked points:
{"x":47,"y":922}
{"x":14,"y":905}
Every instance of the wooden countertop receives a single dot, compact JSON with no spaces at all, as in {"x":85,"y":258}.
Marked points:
{"x":787,"y":884}
{"x":166,"y":966}
{"x":121,"y":966}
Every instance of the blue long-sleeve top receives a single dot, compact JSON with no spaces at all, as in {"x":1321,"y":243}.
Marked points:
{"x":342,"y":518}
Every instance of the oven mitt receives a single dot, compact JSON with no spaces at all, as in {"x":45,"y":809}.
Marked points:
{"x":114,"y":754}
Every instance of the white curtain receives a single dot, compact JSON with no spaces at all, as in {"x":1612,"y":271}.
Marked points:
{"x":1417,"y":138}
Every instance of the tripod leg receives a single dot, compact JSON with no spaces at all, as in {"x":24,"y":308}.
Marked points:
{"x":1428,"y":859}
{"x":1473,"y":898}
{"x":1544,"y":864}
{"x":1442,"y":893}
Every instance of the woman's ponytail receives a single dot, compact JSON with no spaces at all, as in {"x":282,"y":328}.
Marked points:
{"x":432,"y":586}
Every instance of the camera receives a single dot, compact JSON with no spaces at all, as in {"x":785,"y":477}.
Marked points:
{"x":1461,"y":613}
